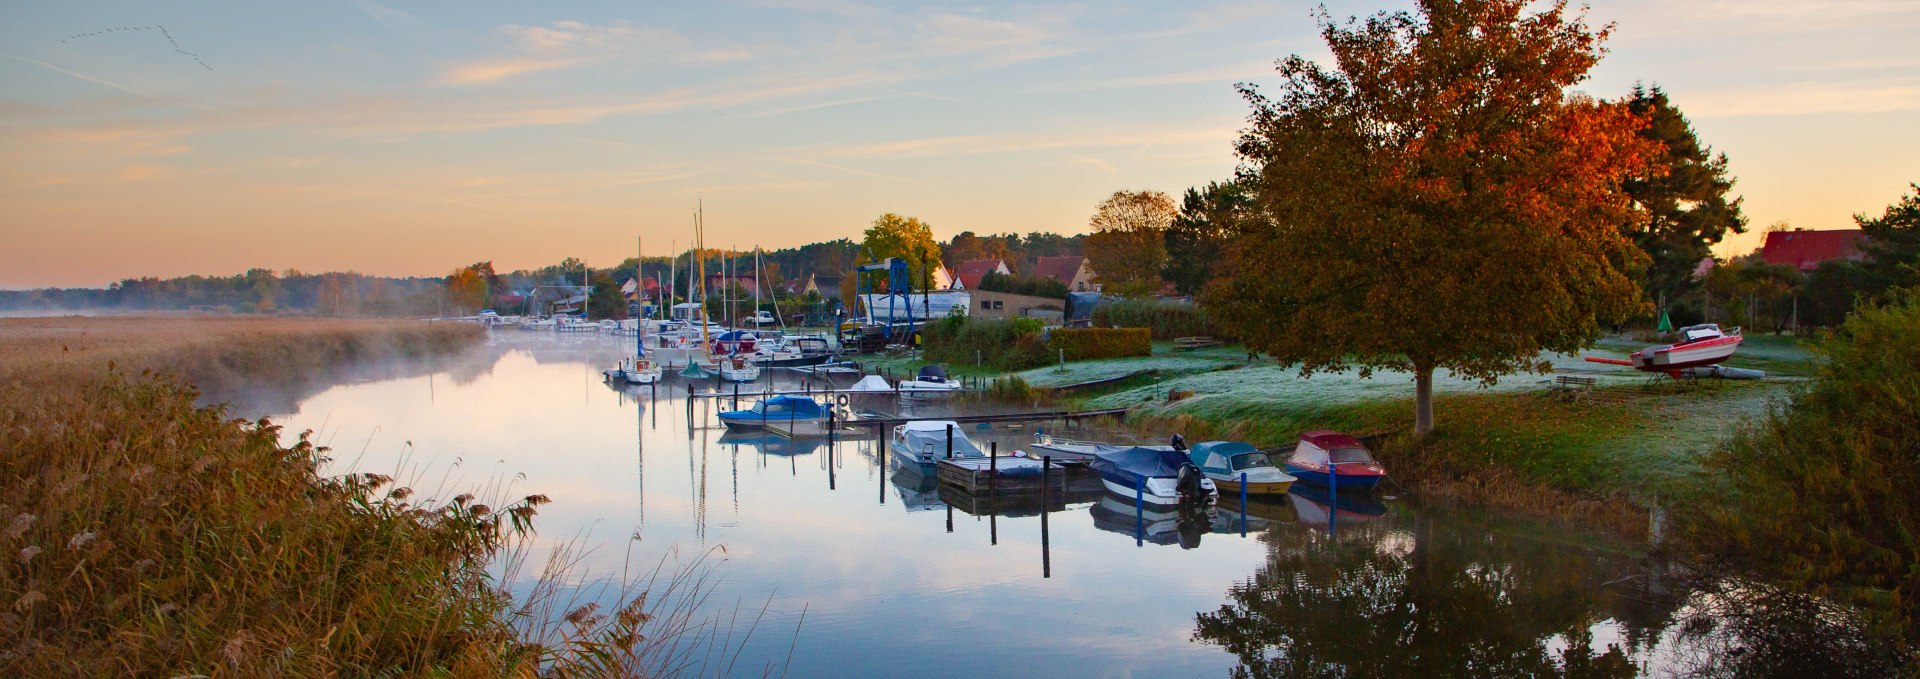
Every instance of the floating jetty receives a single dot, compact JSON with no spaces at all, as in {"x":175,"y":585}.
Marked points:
{"x":978,"y":475}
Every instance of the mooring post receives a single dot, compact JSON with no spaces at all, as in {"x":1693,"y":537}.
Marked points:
{"x":830,"y":479}
{"x":1140,"y":513}
{"x":736,"y":401}
{"x":1243,"y":504}
{"x":1046,"y":546}
{"x":1333,"y":492}
{"x":949,"y":441}
{"x":882,"y":474}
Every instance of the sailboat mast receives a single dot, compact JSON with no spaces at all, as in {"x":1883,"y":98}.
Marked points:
{"x":699,"y":246}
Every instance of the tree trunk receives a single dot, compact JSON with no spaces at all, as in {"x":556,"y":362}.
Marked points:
{"x":1422,"y":400}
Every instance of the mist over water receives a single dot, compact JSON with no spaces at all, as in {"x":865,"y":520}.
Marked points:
{"x":1377,"y":584}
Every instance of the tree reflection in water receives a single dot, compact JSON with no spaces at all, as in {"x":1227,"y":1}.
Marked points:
{"x":1427,"y":592}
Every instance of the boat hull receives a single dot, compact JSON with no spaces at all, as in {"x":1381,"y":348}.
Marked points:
{"x":1680,"y":357}
{"x":1232,"y":486}
{"x":1126,"y":490}
{"x":1343,"y":481}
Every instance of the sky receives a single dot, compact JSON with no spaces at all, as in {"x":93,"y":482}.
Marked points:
{"x":411,"y":138}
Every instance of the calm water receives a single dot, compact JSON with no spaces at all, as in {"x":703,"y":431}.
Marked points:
{"x":893,"y":580}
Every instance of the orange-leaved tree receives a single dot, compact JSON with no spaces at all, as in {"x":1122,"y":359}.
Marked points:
{"x":1439,"y":200}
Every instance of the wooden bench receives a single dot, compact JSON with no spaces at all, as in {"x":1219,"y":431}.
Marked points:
{"x":1191,"y":343}
{"x":1571,"y":388}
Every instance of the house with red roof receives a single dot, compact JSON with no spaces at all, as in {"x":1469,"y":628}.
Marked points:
{"x":1071,"y":270}
{"x":967,"y":276}
{"x":1804,"y":250}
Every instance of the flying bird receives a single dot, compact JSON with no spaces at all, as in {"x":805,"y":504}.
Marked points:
{"x":163,"y":33}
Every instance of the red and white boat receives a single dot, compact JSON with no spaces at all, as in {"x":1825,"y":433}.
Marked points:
{"x":1702,"y":345}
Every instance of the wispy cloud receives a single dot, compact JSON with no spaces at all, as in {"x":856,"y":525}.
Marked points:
{"x":1217,"y":133}
{"x":570,"y":44}
{"x":1801,"y":98}
{"x":488,"y":71}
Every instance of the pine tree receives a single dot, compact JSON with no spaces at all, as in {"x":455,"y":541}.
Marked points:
{"x":1684,"y":193}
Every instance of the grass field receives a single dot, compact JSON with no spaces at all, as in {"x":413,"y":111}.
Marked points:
{"x":1633,"y":439}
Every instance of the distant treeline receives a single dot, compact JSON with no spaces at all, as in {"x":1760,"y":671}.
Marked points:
{"x":256,"y":291}
{"x":354,"y":294}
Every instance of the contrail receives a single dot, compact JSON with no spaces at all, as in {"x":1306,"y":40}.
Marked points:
{"x":163,"y":33}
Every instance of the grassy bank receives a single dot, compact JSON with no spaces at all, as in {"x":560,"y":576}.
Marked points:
{"x":1630,"y":444}
{"x":146,"y":535}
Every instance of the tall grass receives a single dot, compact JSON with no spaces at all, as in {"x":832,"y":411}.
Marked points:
{"x":1006,"y":344}
{"x":142,"y":534}
{"x":1167,"y":319}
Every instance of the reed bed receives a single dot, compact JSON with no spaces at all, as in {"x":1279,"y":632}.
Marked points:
{"x":142,"y":534}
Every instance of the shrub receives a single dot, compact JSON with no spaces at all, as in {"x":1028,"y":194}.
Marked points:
{"x":1085,"y":343}
{"x":1819,"y":495}
{"x":1167,"y":320}
{"x":1009,"y":344}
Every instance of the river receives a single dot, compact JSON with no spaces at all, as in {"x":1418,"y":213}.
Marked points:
{"x":860,"y":574}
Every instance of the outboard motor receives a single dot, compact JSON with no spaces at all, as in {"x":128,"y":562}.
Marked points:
{"x":1188,"y":485}
{"x":1179,"y":443}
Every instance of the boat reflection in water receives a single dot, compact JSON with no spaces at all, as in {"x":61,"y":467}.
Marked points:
{"x":772,"y":444}
{"x":1150,"y":523}
{"x":1315,"y":506}
{"x":918,"y":493}
{"x":1260,"y":513}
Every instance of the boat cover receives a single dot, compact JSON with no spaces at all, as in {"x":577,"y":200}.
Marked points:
{"x":781,"y":408}
{"x":1139,"y":462}
{"x":933,"y":373}
{"x":918,"y":434}
{"x":871,"y":383}
{"x":1216,"y":457}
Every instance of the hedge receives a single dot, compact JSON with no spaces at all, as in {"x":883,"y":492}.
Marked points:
{"x":1167,"y":320}
{"x":1009,"y":344}
{"x":1084,"y":343}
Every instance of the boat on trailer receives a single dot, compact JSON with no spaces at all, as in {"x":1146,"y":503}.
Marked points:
{"x":1702,"y":345}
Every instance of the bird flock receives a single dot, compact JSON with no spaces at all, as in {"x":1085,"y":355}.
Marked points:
{"x":163,"y":33}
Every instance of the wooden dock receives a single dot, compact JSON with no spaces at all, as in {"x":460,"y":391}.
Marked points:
{"x":976,"y":475}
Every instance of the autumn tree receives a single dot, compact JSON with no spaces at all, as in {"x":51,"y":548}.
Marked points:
{"x":470,"y":288}
{"x":1439,"y":199}
{"x":1127,"y":248}
{"x":1684,"y":191}
{"x":1196,"y":240}
{"x":907,"y":238}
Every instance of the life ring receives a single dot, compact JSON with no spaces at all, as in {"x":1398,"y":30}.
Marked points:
{"x":842,"y":399}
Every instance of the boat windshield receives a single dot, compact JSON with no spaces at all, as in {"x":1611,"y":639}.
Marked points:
{"x":1250,"y":461}
{"x":1349,"y":455}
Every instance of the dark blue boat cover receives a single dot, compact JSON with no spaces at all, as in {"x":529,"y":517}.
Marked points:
{"x":1139,"y":462}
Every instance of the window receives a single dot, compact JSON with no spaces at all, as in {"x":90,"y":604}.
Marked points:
{"x":997,"y":304}
{"x":984,"y":304}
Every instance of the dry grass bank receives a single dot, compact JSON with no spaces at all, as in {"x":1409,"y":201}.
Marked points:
{"x":144,"y":535}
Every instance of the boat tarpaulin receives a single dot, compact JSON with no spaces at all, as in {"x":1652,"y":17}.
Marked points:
{"x":1139,"y":462}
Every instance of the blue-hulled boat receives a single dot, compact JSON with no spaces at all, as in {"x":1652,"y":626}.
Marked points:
{"x":1159,"y":474}
{"x":777,"y":411}
{"x":1321,"y":452}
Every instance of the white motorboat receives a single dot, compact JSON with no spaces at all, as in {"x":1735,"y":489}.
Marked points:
{"x":919,"y":444}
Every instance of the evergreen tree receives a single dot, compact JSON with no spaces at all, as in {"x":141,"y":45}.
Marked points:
{"x":1196,"y":240}
{"x":1684,"y":192}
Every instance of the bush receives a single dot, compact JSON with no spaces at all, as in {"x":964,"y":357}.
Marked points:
{"x":1819,"y":495}
{"x":1167,"y":320}
{"x":1085,"y":343}
{"x":1009,"y":344}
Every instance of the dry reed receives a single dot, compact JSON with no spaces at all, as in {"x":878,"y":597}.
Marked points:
{"x":142,"y":534}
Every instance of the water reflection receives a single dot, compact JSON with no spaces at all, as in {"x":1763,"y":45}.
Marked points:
{"x":1426,"y":591}
{"x":1338,"y":585}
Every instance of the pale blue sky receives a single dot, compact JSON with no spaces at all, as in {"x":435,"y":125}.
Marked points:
{"x":409,"y":138}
